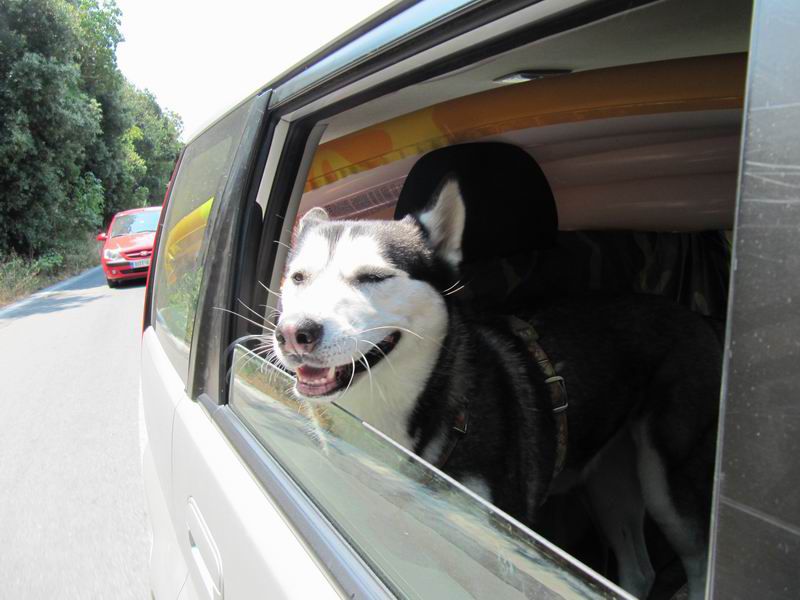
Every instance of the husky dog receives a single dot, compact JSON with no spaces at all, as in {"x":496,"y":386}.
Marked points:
{"x":369,"y":321}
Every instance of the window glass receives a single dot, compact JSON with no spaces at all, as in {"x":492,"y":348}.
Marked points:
{"x":142,"y":222}
{"x":200,"y":181}
{"x":424,"y":535}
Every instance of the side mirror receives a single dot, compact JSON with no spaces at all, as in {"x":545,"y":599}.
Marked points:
{"x":102,"y":236}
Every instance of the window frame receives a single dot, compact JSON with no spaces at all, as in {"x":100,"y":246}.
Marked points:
{"x":756,"y":330}
{"x":147,"y":315}
{"x":182,"y":360}
{"x":222,"y":251}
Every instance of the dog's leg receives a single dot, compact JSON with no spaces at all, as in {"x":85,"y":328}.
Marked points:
{"x":676,"y":502}
{"x":675,"y":442}
{"x":613,"y":490}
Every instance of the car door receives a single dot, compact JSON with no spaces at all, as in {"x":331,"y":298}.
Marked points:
{"x":215,"y":531}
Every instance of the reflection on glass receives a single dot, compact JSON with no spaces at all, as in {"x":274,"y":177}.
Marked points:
{"x":425,"y":535}
{"x":143,"y":222}
{"x":201,"y":178}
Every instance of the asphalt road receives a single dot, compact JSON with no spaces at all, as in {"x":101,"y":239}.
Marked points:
{"x":73,"y":520}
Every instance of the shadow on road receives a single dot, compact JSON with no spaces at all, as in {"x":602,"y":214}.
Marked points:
{"x":49,"y":304}
{"x":132,"y":283}
{"x":63,"y":299}
{"x":93,"y":280}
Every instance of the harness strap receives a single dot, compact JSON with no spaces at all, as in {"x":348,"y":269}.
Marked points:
{"x":458,"y":430}
{"x":559,"y":401}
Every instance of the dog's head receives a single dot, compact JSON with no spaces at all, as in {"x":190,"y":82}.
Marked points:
{"x":357,"y":292}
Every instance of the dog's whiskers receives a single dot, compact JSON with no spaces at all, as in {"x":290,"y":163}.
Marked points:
{"x":255,"y":312}
{"x":352,"y":374}
{"x":390,"y":327}
{"x":378,"y":348}
{"x":369,"y":371}
{"x":451,"y":287}
{"x":252,"y":356}
{"x":458,"y":289}
{"x":241,"y":316}
{"x":269,"y":290}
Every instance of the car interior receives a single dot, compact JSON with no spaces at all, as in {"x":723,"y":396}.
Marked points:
{"x":599,"y":159}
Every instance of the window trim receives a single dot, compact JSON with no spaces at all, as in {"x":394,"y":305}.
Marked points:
{"x":180,"y":351}
{"x":763,"y":115}
{"x":221,"y":251}
{"x":147,"y":315}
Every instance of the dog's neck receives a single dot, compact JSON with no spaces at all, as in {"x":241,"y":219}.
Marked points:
{"x":387,"y":396}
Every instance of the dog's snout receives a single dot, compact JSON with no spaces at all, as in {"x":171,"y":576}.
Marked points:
{"x":299,"y":337}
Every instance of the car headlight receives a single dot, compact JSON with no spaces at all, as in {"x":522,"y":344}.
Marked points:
{"x":112,"y":255}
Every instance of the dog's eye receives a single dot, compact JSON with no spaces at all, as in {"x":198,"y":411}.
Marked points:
{"x":372,"y":277}
{"x":298,"y":277}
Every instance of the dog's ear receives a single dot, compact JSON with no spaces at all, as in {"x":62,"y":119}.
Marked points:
{"x":315,"y":215}
{"x":444,"y":221}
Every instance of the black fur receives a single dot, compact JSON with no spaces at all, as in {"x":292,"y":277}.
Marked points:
{"x":639,"y":366}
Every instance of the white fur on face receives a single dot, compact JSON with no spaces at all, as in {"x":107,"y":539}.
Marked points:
{"x":352,"y":314}
{"x":355,"y":316}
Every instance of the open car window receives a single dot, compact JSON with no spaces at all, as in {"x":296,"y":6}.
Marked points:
{"x":424,"y":534}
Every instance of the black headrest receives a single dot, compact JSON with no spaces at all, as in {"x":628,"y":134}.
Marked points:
{"x":510,"y":207}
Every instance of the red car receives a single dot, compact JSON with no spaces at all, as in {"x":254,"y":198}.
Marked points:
{"x":128,"y":244}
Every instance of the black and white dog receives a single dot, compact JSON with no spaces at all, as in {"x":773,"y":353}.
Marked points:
{"x":368,"y":321}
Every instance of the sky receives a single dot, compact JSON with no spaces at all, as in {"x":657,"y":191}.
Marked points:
{"x":200,"y":58}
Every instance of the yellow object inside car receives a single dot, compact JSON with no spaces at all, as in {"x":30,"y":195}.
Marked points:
{"x":185,"y":240}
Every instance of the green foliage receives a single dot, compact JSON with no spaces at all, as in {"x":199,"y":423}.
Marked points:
{"x":182,"y":303}
{"x":78,"y":142}
{"x":154,"y":139}
{"x":20,"y":276}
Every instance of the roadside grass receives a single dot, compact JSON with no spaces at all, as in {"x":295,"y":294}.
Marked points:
{"x":21,"y":276}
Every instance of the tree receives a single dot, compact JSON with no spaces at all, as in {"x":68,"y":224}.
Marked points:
{"x":78,"y":142}
{"x":49,"y":122}
{"x":151,"y":147}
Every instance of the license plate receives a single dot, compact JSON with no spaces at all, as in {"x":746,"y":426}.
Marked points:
{"x":136,"y":264}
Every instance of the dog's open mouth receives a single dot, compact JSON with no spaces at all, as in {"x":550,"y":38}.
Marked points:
{"x":323,"y":381}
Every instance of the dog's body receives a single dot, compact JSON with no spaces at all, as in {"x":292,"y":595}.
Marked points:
{"x":370,"y":321}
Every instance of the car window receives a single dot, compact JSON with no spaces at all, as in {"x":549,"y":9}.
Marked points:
{"x":142,"y":222}
{"x":425,"y":535}
{"x":199,"y":182}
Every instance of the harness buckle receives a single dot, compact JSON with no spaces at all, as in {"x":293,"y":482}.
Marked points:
{"x":561,"y":396}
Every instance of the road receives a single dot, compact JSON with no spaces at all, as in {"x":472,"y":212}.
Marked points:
{"x":72,"y":508}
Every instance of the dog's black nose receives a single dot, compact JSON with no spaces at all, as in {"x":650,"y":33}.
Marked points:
{"x":301,"y":337}
{"x":307,"y":335}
